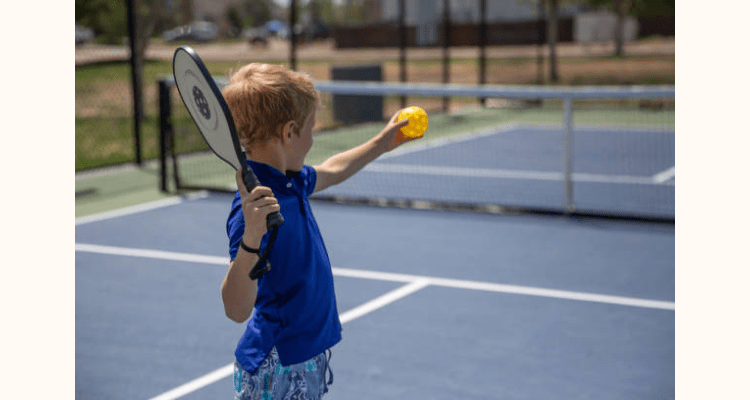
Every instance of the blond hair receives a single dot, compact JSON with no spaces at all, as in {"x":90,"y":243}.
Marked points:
{"x":264,"y":97}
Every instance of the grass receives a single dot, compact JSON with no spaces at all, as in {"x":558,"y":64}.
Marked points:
{"x":103,"y":112}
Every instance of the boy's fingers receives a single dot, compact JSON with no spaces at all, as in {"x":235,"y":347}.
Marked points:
{"x":267,"y":209}
{"x":264,"y":201}
{"x":259,"y":192}
{"x":395,"y":115}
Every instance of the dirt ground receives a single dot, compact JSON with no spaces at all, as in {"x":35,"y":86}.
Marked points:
{"x":278,"y":50}
{"x":523,"y":69}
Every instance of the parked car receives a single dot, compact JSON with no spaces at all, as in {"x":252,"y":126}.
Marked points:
{"x":256,"y":36}
{"x":83,"y":34}
{"x":277,"y":28}
{"x":198,"y":31}
{"x":316,"y":29}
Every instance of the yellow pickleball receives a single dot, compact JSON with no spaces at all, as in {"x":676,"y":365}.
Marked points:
{"x":418,"y":121}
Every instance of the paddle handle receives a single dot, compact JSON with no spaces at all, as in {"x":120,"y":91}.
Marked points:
{"x":274,"y":219}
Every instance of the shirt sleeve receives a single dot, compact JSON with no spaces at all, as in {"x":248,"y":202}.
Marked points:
{"x":311,"y":180}
{"x":235,"y":226}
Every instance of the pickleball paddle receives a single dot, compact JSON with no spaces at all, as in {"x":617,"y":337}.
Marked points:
{"x":211,"y":114}
{"x":209,"y":110}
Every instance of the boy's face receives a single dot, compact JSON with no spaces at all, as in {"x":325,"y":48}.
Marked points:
{"x":300,"y":145}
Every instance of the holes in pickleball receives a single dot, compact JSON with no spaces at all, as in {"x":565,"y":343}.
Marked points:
{"x":201,"y":102}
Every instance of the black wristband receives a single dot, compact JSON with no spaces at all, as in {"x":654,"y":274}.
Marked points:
{"x":248,"y":248}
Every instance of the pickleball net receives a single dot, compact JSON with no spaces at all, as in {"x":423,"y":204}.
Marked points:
{"x":603,"y":151}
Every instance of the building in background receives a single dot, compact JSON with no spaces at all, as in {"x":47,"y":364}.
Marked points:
{"x":511,"y":21}
{"x":427,"y":15}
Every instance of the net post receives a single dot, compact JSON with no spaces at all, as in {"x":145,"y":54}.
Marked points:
{"x":568,"y":205}
{"x":165,"y":130}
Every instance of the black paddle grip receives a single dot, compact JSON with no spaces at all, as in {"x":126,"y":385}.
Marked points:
{"x":274,"y":219}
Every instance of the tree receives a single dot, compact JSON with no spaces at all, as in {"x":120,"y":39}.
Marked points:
{"x":142,"y":18}
{"x":552,"y":6}
{"x":257,"y":12}
{"x":637,"y":8}
{"x":235,"y":20}
{"x":622,"y":9}
{"x":108,"y":19}
{"x":324,"y":10}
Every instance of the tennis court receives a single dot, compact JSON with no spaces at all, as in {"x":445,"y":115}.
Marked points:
{"x":520,"y":166}
{"x":590,"y":151}
{"x":434,"y":304}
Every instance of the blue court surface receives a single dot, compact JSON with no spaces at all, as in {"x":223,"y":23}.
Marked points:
{"x":434,"y":304}
{"x":618,"y":171}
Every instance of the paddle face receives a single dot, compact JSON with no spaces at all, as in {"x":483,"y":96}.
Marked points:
{"x":206,"y":106}
{"x":210,"y":112}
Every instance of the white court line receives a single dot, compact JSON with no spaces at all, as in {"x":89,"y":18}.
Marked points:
{"x":663,"y":176}
{"x":507,"y":174}
{"x":155,"y":254}
{"x":197,"y":383}
{"x":463,"y":172}
{"x":502,"y":288}
{"x":413,"y":284}
{"x":139,"y":208}
{"x":396,"y":277}
{"x":348,"y":316}
{"x":514,"y":126}
{"x":129,"y":210}
{"x":453,"y":139}
{"x":384,"y":300}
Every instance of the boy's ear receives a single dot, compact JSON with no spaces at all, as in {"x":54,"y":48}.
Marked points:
{"x":287,"y":131}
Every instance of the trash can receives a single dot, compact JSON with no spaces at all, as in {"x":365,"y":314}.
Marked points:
{"x":352,"y":109}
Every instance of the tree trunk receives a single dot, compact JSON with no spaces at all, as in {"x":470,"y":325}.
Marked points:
{"x":621,"y":10}
{"x":552,"y":40}
{"x":141,"y":24}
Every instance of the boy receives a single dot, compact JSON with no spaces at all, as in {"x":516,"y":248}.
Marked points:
{"x":294,"y":323}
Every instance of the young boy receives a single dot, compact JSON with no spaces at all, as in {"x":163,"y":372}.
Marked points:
{"x":294,"y":323}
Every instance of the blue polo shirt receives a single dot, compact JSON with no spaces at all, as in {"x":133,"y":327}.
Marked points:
{"x":295,"y":309}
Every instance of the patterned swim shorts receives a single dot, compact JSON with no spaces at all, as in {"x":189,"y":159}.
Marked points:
{"x":272,"y":381}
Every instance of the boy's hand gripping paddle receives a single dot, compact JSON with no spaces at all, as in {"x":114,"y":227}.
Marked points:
{"x":210,"y":112}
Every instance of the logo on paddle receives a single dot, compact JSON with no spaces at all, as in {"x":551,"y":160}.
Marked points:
{"x":201,"y":102}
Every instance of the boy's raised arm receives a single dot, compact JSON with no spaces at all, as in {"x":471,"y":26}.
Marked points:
{"x":238,"y":291}
{"x":345,"y":164}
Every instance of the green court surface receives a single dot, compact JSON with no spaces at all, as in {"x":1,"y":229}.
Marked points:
{"x":118,"y":187}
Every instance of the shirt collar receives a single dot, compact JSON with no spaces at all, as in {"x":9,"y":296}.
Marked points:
{"x":275,"y":179}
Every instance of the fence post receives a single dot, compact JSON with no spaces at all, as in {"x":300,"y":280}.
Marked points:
{"x":165,"y":131}
{"x":136,"y":64}
{"x":568,"y":205}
